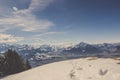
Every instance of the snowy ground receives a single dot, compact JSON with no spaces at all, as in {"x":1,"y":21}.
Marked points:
{"x":77,"y":69}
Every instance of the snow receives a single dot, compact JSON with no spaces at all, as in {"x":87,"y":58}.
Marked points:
{"x":76,"y":69}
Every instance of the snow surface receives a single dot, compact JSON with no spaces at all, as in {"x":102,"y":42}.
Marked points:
{"x":77,"y":69}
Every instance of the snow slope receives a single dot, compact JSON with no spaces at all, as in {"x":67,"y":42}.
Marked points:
{"x":77,"y":69}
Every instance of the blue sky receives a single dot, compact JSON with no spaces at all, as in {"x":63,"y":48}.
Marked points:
{"x":59,"y":21}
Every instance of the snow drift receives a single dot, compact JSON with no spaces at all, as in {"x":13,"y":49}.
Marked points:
{"x":77,"y":69}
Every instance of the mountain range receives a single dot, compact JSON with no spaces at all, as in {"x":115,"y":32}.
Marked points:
{"x":48,"y":53}
{"x":84,"y":48}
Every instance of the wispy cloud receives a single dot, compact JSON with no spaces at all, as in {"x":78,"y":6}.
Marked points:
{"x":64,"y":44}
{"x":35,"y":5}
{"x":25,"y":23}
{"x":48,"y":33}
{"x":7,"y":38}
{"x":25,"y":20}
{"x":39,"y":4}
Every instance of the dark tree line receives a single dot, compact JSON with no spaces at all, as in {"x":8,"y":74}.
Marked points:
{"x":12,"y":63}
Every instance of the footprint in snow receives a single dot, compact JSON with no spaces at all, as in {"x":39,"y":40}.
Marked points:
{"x":103,"y":72}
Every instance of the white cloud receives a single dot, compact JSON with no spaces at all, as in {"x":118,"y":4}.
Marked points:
{"x":25,"y":20}
{"x":15,"y":8}
{"x":25,"y":23}
{"x":7,"y":38}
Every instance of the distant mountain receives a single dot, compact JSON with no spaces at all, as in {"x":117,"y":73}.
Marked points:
{"x":84,"y":49}
{"x":47,"y":53}
{"x":36,"y":56}
{"x":22,"y":49}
